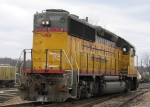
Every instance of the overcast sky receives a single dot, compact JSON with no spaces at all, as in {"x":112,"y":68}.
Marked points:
{"x":129,"y":19}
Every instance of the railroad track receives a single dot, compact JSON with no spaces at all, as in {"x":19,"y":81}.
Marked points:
{"x":116,"y":100}
{"x":6,"y":94}
{"x":120,"y":100}
{"x":98,"y":101}
{"x":125,"y":100}
{"x":126,"y":103}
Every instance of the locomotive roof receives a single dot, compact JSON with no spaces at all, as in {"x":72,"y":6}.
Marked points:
{"x":129,"y":43}
{"x":55,"y":10}
{"x":97,"y":28}
{"x":81,"y":20}
{"x":106,"y":34}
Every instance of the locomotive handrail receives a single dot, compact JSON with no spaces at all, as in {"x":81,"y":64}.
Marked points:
{"x":24,"y":60}
{"x":21,"y":67}
{"x":70,"y":65}
{"x":77,"y":64}
{"x":16,"y":77}
{"x":68,"y":62}
{"x":46,"y":61}
{"x":19,"y":59}
{"x":16,"y":66}
{"x":122,"y":63}
{"x":137,"y":61}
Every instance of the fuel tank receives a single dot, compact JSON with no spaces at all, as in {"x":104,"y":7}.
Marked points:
{"x":112,"y":87}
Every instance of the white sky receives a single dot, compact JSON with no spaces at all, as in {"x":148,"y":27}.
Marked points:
{"x":126,"y":18}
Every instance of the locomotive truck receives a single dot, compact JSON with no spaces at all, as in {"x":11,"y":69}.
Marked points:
{"x":72,"y":58}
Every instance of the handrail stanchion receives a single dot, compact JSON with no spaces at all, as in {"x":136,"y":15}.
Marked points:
{"x":105,"y":64}
{"x":21,"y":67}
{"x":60,"y":59}
{"x":46,"y":61}
{"x":31,"y":62}
{"x":77,"y":65}
{"x":16,"y":67}
{"x":115,"y":66}
{"x":87,"y":63}
{"x":93,"y":63}
{"x":24,"y":65}
{"x":80,"y":62}
{"x":71,"y":67}
{"x":100,"y":65}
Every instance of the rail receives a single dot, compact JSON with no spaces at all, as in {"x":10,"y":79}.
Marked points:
{"x":92,"y":103}
{"x":124,"y":104}
{"x":16,"y":67}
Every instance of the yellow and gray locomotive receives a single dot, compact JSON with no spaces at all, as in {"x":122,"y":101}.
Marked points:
{"x":71,"y":58}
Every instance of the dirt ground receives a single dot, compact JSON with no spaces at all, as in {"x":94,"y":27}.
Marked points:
{"x":142,"y":101}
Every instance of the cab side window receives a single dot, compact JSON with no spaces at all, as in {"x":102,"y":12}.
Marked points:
{"x":125,"y":49}
{"x":132,"y":52}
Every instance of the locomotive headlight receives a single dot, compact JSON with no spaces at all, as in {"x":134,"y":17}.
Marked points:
{"x":47,"y":22}
{"x":43,"y":22}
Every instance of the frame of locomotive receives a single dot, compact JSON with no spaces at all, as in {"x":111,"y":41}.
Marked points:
{"x":74,"y":59}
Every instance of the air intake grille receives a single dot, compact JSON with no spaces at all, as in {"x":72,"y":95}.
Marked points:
{"x":81,"y":30}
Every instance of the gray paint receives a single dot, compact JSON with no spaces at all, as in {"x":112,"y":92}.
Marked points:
{"x":110,"y":78}
{"x":113,"y":87}
{"x":54,"y":18}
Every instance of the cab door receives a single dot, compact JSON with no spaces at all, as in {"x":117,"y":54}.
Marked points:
{"x":125,"y":59}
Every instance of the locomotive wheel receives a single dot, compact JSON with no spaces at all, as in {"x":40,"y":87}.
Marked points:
{"x":6,"y":85}
{"x":135,"y":86}
{"x":79,"y":93}
{"x":131,"y":84}
{"x":88,"y":95}
{"x":83,"y":93}
{"x":128,"y":85}
{"x":9,"y":85}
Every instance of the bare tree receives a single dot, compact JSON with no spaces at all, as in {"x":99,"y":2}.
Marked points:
{"x":92,"y":20}
{"x":146,"y":60}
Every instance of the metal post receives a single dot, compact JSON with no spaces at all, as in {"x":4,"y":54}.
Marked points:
{"x":115,"y":66}
{"x":60,"y":59}
{"x":141,"y":62}
{"x":80,"y":62}
{"x":24,"y":65}
{"x":110,"y":64}
{"x":87,"y":63}
{"x":46,"y":61}
{"x":118,"y":63}
{"x":93,"y":63}
{"x":137,"y":61}
{"x":105,"y":65}
{"x":31,"y":62}
{"x":100,"y":64}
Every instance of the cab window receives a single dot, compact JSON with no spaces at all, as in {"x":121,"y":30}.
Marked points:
{"x":132,"y":52}
{"x":125,"y":49}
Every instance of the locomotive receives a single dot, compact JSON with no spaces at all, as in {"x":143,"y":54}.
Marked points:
{"x":72,"y":58}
